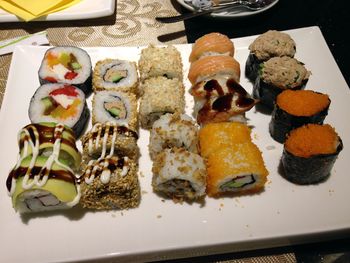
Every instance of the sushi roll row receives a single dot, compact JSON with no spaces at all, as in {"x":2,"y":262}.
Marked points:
{"x":179,"y":172}
{"x":161,"y":89}
{"x":215,"y":75}
{"x":234,"y":163}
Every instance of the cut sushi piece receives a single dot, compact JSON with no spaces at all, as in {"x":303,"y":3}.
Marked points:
{"x":161,"y":96}
{"x":296,"y":108}
{"x":173,"y":130}
{"x":115,"y":74}
{"x":115,"y":107}
{"x":160,"y":61}
{"x":69,"y":65}
{"x":237,"y":169}
{"x":210,"y":66}
{"x":214,"y":136}
{"x":110,"y":183}
{"x":278,"y":74}
{"x":212,"y":44}
{"x":42,"y":138}
{"x":108,"y":139}
{"x":270,"y":44}
{"x":221,"y":99}
{"x":60,"y":103}
{"x":179,"y":174}
{"x":310,"y":152}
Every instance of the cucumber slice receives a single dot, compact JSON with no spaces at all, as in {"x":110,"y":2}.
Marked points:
{"x":114,"y":112}
{"x":49,"y":105}
{"x":76,"y":65}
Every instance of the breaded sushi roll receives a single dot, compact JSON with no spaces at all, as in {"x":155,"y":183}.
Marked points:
{"x":161,"y":96}
{"x":173,"y":130}
{"x":69,"y":65}
{"x":110,"y":183}
{"x":44,"y":176}
{"x":214,"y":136}
{"x":278,"y":74}
{"x":115,"y":74}
{"x":210,"y":66}
{"x":294,"y":108}
{"x":60,"y":103}
{"x":160,"y":61}
{"x":310,"y":152}
{"x":115,"y":107}
{"x":179,"y":174}
{"x":268,"y":45}
{"x":108,"y":139}
{"x":212,"y":44}
{"x":237,"y":169}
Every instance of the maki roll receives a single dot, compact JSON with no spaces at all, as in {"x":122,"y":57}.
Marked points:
{"x":173,"y":130}
{"x":278,"y":74}
{"x":115,"y":107}
{"x":161,"y":96}
{"x":210,"y":66}
{"x":212,"y":44}
{"x":110,"y":183}
{"x":60,"y":103}
{"x":44,"y":176}
{"x":69,"y":65}
{"x":109,"y":139}
{"x":114,"y":74}
{"x":160,"y":61}
{"x":220,"y":99}
{"x":270,"y":44}
{"x":310,"y":152}
{"x":296,"y":108}
{"x":179,"y":174}
{"x":237,"y":169}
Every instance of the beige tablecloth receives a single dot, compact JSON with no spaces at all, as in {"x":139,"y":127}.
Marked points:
{"x":132,"y":24}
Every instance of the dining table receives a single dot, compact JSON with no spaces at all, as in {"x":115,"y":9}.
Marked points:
{"x":132,"y":23}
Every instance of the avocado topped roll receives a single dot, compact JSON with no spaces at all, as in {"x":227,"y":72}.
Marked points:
{"x":278,"y":74}
{"x":115,"y":74}
{"x":270,"y":44}
{"x":44,"y":176}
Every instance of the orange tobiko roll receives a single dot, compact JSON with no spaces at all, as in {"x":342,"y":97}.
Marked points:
{"x":212,"y":44}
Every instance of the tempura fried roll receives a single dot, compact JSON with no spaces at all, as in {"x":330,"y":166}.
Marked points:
{"x":237,"y":169}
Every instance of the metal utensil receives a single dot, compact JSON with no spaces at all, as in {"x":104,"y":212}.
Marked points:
{"x":252,"y":5}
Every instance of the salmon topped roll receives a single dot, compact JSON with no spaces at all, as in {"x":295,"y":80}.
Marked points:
{"x":210,"y":66}
{"x":211,"y":44}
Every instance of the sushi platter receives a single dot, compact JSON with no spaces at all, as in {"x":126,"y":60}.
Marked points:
{"x":158,"y":228}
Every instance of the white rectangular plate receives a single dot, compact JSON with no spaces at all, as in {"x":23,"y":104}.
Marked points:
{"x":83,"y":10}
{"x":283,"y":214}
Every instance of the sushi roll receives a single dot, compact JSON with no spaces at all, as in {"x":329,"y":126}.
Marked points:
{"x":60,"y":103}
{"x":69,"y":65}
{"x":310,"y":152}
{"x":210,"y":66}
{"x":179,"y":174}
{"x":44,"y":178}
{"x":115,"y":74}
{"x":110,"y":183}
{"x":221,"y":99}
{"x":278,"y":74}
{"x":115,"y":107}
{"x":215,"y":136}
{"x":161,"y":96}
{"x":173,"y":130}
{"x":296,"y":108}
{"x":268,"y":45}
{"x":160,"y":61}
{"x":109,"y":139}
{"x":238,"y":169}
{"x":212,"y":44}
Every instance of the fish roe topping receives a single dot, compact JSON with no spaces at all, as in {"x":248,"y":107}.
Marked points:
{"x":302,"y":102}
{"x":312,"y":139}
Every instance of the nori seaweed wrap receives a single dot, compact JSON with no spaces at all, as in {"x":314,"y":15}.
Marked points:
{"x":296,"y":108}
{"x":310,"y":152}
